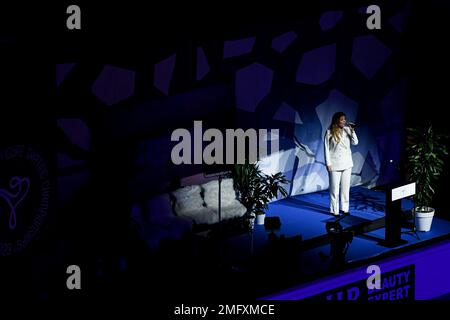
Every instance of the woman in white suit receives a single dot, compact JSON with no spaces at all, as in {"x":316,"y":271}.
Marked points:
{"x":338,"y":158}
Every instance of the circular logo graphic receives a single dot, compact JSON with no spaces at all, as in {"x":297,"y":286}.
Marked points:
{"x":24,"y":197}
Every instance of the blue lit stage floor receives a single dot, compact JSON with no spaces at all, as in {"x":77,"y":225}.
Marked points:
{"x":306,"y":215}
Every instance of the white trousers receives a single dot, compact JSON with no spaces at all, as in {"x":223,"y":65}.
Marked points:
{"x":340,"y":181}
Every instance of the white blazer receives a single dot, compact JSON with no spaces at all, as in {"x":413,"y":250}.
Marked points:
{"x":339,"y":155}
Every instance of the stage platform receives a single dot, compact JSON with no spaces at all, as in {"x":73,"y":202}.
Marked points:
{"x":295,"y":261}
{"x":291,"y":261}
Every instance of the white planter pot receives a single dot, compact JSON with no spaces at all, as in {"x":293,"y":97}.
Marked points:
{"x":260,"y":219}
{"x":424,"y":220}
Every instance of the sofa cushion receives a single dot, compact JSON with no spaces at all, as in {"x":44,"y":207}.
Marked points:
{"x":230,"y":207}
{"x":211,"y":193}
{"x":234,"y":210}
{"x":190,"y":204}
{"x":187,"y":199}
{"x":201,"y":215}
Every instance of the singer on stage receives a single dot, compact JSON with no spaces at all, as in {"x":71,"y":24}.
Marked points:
{"x":338,"y":157}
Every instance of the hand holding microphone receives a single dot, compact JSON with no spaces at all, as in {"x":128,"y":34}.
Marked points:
{"x":352,"y":126}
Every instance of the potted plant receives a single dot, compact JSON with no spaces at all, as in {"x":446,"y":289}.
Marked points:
{"x":255,"y":189}
{"x":426,"y":151}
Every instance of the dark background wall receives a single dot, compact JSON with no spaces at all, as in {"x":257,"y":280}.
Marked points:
{"x":288,"y":71}
{"x":428,"y":68}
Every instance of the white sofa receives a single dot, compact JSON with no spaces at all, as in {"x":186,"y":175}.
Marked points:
{"x":171,"y":216}
{"x":190,"y":204}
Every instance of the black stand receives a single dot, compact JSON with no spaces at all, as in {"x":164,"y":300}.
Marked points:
{"x":392,"y":220}
{"x":209,"y":172}
{"x":413,"y":230}
{"x":220,"y":197}
{"x":220,"y":175}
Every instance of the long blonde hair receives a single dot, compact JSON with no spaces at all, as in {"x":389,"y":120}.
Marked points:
{"x":334,"y":126}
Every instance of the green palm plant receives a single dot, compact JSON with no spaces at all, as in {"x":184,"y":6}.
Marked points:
{"x":426,"y":151}
{"x":255,"y":189}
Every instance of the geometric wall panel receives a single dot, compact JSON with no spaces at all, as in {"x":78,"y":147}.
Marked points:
{"x":287,"y":114}
{"x":62,"y":70}
{"x":253,"y":83}
{"x":77,"y":132}
{"x":163,"y":73}
{"x":329,"y":19}
{"x":369,"y":54}
{"x":399,"y":20}
{"x":317,"y":65}
{"x":283,"y":41}
{"x":202,"y":64}
{"x":114,"y":84}
{"x":310,"y":178}
{"x":239,"y":47}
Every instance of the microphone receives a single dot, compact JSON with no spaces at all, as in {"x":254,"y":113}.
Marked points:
{"x":351,"y":124}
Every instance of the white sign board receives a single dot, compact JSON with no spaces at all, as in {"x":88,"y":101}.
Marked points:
{"x":404,"y":191}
